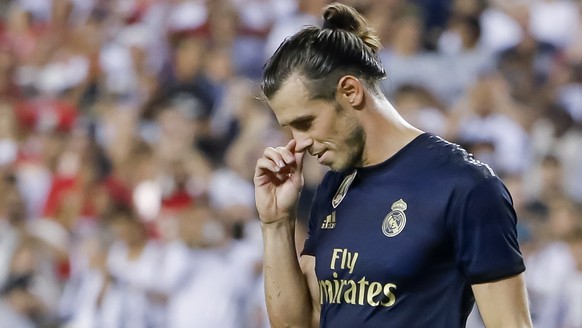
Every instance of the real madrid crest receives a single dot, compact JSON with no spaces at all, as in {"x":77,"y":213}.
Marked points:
{"x":395,"y":221}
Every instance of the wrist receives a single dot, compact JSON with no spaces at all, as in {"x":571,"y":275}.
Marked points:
{"x":278,"y":232}
{"x":287,"y":221}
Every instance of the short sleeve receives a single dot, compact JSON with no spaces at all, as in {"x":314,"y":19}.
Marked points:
{"x":312,"y":229}
{"x":317,"y":209}
{"x":485,"y":233}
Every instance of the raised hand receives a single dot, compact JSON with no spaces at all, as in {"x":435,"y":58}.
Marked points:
{"x":278,"y":182}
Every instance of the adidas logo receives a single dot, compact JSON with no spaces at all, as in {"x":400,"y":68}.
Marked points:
{"x":329,"y":222}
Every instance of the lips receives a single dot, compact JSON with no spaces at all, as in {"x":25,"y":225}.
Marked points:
{"x":321,"y":156}
{"x":318,"y":154}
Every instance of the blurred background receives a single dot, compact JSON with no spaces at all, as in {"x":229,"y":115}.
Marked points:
{"x":129,"y":131}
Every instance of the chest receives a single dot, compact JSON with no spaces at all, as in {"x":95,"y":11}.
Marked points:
{"x":388,"y":230}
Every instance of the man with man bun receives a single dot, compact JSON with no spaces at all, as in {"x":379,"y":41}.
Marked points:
{"x":406,"y":229}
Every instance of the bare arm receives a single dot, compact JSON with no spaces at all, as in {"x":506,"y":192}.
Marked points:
{"x":308,"y":267}
{"x":503,"y":303}
{"x":289,"y":283}
{"x":278,"y":182}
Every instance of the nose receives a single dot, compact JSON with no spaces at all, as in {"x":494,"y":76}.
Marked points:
{"x":303,"y":140}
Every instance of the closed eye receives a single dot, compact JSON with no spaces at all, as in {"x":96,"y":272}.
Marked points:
{"x":302,"y":124}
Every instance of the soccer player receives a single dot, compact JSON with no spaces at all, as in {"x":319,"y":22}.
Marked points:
{"x":406,"y":229}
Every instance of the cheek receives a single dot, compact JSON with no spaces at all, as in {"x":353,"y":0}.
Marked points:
{"x":337,"y":130}
{"x":354,"y":136}
{"x":326,"y":131}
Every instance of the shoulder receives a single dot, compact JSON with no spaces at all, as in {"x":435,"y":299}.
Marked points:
{"x":456,"y":175}
{"x":454,"y":162}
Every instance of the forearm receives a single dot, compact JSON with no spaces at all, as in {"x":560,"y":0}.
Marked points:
{"x":289,"y":302}
{"x":503,"y":303}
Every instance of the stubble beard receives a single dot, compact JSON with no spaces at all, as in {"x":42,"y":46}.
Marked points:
{"x":354,"y":150}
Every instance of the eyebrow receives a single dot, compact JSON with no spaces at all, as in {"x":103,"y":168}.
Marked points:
{"x":299,"y":119}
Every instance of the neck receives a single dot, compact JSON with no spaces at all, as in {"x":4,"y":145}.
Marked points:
{"x":387,"y":132}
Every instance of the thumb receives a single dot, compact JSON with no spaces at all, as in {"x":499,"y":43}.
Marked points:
{"x":299,"y":160}
{"x":299,"y":155}
{"x":297,"y":176}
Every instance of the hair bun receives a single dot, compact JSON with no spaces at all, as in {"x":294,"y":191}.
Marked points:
{"x":337,"y":16}
{"x":341,"y":17}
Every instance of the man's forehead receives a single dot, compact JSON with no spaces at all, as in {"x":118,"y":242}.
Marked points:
{"x":290,"y":100}
{"x":292,"y":89}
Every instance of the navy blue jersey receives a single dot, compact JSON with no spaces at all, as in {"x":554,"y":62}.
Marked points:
{"x":399,"y":244}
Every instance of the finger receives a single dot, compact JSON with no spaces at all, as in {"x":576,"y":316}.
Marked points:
{"x":282,"y":176}
{"x":265,"y":165}
{"x":286,"y":154}
{"x":272,"y":154}
{"x":291,"y":145}
{"x":299,"y":156}
{"x":267,"y":171}
{"x":299,"y":160}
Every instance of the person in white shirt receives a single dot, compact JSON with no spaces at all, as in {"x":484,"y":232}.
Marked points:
{"x":133,"y":264}
{"x":207,"y":275}
{"x":565,"y":308}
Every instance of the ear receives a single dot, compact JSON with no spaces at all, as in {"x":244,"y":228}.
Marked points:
{"x":350,"y":91}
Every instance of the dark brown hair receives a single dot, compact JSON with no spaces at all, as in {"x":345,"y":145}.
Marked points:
{"x":345,"y":44}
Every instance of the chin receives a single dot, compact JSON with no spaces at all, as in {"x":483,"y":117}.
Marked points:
{"x":345,"y":162}
{"x":338,"y":167}
{"x":335,"y":169}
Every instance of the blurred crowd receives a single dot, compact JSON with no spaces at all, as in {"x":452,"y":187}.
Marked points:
{"x":129,"y":131}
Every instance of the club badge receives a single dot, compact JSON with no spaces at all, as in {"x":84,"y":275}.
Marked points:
{"x":395,"y":221}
